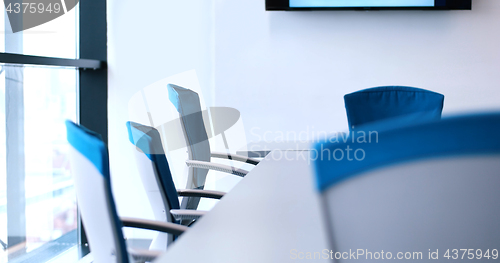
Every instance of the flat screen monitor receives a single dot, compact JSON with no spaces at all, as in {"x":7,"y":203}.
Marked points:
{"x":296,"y":5}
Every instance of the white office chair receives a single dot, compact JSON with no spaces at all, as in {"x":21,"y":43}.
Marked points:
{"x":425,"y":188}
{"x":187,"y":103}
{"x":157,"y":179}
{"x":90,"y":169}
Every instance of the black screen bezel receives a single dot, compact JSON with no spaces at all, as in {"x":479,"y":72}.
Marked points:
{"x":284,"y":5}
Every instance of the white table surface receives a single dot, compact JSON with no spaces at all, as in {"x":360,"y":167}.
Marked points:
{"x":273,"y":210}
{"x":262,"y":148}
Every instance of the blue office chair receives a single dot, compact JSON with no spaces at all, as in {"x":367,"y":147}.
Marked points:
{"x":432,"y":185}
{"x":157,"y":179}
{"x":187,"y":103}
{"x":90,"y":168}
{"x":375,"y":104}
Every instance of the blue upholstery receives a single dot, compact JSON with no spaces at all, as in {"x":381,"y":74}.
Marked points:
{"x":90,"y":145}
{"x":374,"y":104}
{"x":149,"y":141}
{"x":465,"y":135}
{"x":144,"y":138}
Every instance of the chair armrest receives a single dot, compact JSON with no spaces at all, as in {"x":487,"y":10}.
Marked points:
{"x":170,"y":228}
{"x":216,"y":167}
{"x":144,"y":255}
{"x":200,"y":193}
{"x":235,"y":157}
{"x":182,"y":214}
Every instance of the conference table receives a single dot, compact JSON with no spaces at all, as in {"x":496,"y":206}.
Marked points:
{"x":272,"y":215}
{"x":262,"y":148}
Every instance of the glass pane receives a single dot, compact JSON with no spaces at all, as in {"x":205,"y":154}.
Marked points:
{"x":56,"y":38}
{"x":49,"y":99}
{"x":44,"y":97}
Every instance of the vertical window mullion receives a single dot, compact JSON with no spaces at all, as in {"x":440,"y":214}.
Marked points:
{"x":93,"y":84}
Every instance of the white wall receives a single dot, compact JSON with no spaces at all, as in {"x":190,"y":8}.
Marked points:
{"x":147,"y":42}
{"x":288,"y":71}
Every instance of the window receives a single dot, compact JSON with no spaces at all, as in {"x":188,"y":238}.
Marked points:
{"x":38,"y":207}
{"x":49,"y":73}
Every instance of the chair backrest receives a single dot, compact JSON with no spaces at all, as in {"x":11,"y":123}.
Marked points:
{"x":155,"y":175}
{"x":187,"y":103}
{"x":428,"y":186}
{"x":90,"y":168}
{"x":375,"y":104}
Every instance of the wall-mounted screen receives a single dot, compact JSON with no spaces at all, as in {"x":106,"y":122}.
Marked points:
{"x":367,"y":4}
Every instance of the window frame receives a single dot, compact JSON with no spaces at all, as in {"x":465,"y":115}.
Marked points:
{"x":93,"y":76}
